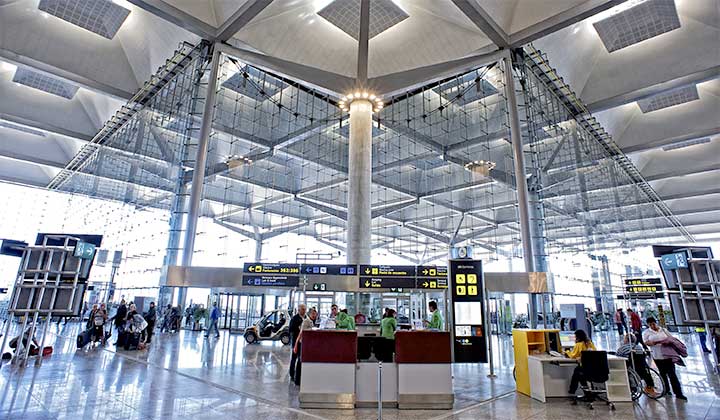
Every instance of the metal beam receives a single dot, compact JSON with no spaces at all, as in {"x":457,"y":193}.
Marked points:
{"x":406,"y":161}
{"x":340,"y":214}
{"x":240,"y":19}
{"x":383,"y":211}
{"x":363,"y":42}
{"x":561,"y":20}
{"x":283,"y":229}
{"x":496,"y":135}
{"x":407,"y":80}
{"x":236,"y":229}
{"x":177,"y":17}
{"x":68,"y":76}
{"x":331,"y":244}
{"x":484,"y":22}
{"x":430,"y":234}
{"x":320,"y":80}
{"x":648,"y":91}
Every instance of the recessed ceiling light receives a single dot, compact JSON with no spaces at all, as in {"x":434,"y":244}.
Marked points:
{"x":637,"y":21}
{"x":45,"y":83}
{"x":670,"y":98}
{"x":102,"y":17}
{"x":345,"y":15}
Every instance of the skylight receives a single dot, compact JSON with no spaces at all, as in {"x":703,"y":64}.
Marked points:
{"x":45,"y":83}
{"x":636,"y":21}
{"x":102,"y":17}
{"x":252,"y":83}
{"x":686,"y":143}
{"x":670,"y":98}
{"x":345,"y":14}
{"x":20,"y":128}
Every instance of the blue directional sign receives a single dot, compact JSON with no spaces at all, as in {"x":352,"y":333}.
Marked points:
{"x":673,"y":261}
{"x":329,"y":269}
{"x":84,"y":250}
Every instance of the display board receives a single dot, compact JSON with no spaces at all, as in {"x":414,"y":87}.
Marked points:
{"x":644,"y":288}
{"x":431,"y":277}
{"x":468,"y":310}
{"x":271,"y":275}
{"x":329,"y":269}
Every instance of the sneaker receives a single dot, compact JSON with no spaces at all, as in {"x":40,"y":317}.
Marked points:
{"x":681,"y":397}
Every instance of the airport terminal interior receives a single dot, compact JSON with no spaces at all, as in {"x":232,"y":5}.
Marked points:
{"x":360,"y":209}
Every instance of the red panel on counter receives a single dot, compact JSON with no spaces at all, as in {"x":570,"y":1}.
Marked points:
{"x":422,"y":347}
{"x":329,"y":346}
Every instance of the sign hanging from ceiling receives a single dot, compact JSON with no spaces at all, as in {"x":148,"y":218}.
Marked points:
{"x":271,"y":268}
{"x":329,"y":269}
{"x":431,"y":277}
{"x":674,"y":261}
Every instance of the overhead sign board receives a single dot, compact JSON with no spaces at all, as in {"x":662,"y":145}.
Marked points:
{"x":674,"y":261}
{"x":319,"y":287}
{"x":84,"y":250}
{"x":269,"y":280}
{"x":644,"y":288}
{"x":329,"y":269}
{"x":387,"y":282}
{"x":388,"y":271}
{"x":271,"y":268}
{"x":431,"y":277}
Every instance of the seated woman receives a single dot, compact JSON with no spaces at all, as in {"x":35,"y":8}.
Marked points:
{"x":582,"y":343}
{"x":629,"y":349}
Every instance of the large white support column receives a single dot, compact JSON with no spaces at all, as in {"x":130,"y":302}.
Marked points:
{"x":520,"y":181}
{"x":359,"y":181}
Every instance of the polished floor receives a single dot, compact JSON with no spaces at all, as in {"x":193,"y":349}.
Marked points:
{"x":185,"y":376}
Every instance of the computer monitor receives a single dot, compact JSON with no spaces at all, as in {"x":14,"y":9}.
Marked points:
{"x":567,"y":338}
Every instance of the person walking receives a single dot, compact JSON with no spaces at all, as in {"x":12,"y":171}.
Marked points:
{"x":702,"y":335}
{"x":119,"y":318}
{"x":635,"y":325}
{"x":620,"y":321}
{"x":662,"y":347}
{"x":295,"y":324}
{"x":214,"y":316}
{"x":150,"y":318}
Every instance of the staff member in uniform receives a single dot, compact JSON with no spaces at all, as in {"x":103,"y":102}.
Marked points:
{"x":295,"y":324}
{"x":436,"y":321}
{"x":307,"y":324}
{"x":582,"y":343}
{"x":388,"y":326}
{"x":343,"y":321}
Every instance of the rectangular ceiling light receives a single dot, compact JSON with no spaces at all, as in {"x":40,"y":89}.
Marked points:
{"x":20,"y":128}
{"x":686,"y":143}
{"x":640,"y":21}
{"x":345,"y":15}
{"x":102,"y":17}
{"x":254,"y":84}
{"x":670,"y":98}
{"x":45,"y":83}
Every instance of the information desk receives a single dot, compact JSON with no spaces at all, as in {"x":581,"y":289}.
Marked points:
{"x":424,"y":370}
{"x":550,"y":377}
{"x":328,"y":369}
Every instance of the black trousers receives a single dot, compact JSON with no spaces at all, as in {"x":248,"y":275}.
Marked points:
{"x":577,"y":378}
{"x":298,"y":367}
{"x":149,"y":332}
{"x":667,"y":373}
{"x":293,"y":358}
{"x":641,"y":369}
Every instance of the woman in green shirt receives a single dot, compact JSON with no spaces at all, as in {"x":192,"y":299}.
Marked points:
{"x":388,"y":325}
{"x":343,"y":321}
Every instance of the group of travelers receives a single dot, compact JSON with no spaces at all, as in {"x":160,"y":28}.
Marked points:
{"x":134,"y":329}
{"x":666,"y":351}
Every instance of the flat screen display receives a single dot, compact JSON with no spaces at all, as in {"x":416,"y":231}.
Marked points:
{"x":567,"y":338}
{"x":468,"y":313}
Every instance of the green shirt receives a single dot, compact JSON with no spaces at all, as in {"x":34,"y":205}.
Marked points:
{"x":387,"y":327}
{"x":344,"y":321}
{"x":436,"y":321}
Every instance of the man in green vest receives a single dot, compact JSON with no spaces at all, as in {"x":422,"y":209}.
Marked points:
{"x":436,"y":321}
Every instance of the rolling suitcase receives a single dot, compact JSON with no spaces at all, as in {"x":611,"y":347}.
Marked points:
{"x":133,"y":341}
{"x":83,"y":338}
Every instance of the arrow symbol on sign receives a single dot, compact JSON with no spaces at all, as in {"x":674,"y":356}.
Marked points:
{"x":367,"y":271}
{"x":251,"y":268}
{"x":367,"y":283}
{"x":425,"y":272}
{"x":425,"y":284}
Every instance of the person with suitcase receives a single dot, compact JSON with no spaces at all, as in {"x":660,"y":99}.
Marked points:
{"x":150,"y":318}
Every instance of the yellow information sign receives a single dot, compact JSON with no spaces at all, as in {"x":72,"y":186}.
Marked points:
{"x":471,"y":278}
{"x":460,"y":278}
